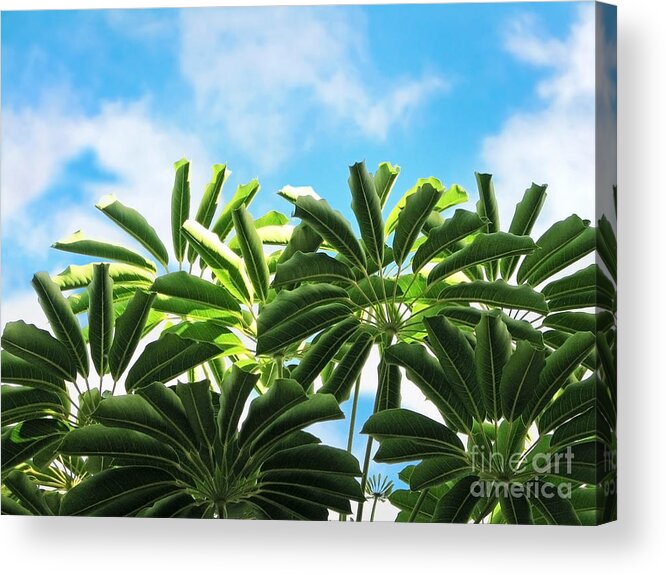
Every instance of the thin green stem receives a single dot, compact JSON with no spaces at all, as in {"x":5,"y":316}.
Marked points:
{"x":374,"y":508}
{"x":364,"y":477}
{"x":417,"y":507}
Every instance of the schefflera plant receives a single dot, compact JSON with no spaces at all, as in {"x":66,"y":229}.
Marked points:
{"x":360,"y":293}
{"x":182,"y":451}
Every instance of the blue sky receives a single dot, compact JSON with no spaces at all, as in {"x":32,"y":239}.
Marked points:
{"x":98,"y":102}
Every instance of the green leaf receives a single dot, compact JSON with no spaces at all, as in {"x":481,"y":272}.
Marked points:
{"x":576,"y":398}
{"x":492,"y":352}
{"x":210,"y":331}
{"x":167,"y":358}
{"x":75,"y":277}
{"x":62,"y":320}
{"x":561,"y":245}
{"x":572,"y":322}
{"x":418,"y":207}
{"x":366,"y":205}
{"x":392,"y":220}
{"x":313,"y":458}
{"x":427,"y":374}
{"x":456,"y":357}
{"x":21,"y":372}
{"x":485,"y":248}
{"x":332,"y":226}
{"x":407,"y":424}
{"x":462,"y":224}
{"x":303,"y":239}
{"x":322,"y":351}
{"x":226,"y":265}
{"x":588,"y":287}
{"x":99,"y":440}
{"x":134,"y":224}
{"x":496,"y":294}
{"x":524,"y":218}
{"x":77,"y":243}
{"x":559,"y":366}
{"x":516,"y":510}
{"x":210,"y":201}
{"x":26,"y":439}
{"x":587,"y":425}
{"x":252,"y":250}
{"x":22,"y":403}
{"x":129,"y":328}
{"x":388,"y":385}
{"x":28,"y":493}
{"x":297,"y":314}
{"x":40,"y":348}
{"x":556,"y":510}
{"x":437,"y":470}
{"x":180,"y":206}
{"x":486,"y":207}
{"x":243,"y":197}
{"x":470,"y":317}
{"x":341,"y":381}
{"x":198,"y":403}
{"x":118,"y":492}
{"x":195,"y":290}
{"x":520,"y":379}
{"x":607,"y":246}
{"x":384,"y":179}
{"x":236,"y":390}
{"x":317,"y":267}
{"x":457,"y":504}
{"x":100,"y":317}
{"x":317,"y":408}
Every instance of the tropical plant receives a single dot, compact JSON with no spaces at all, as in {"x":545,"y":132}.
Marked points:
{"x":292,"y":314}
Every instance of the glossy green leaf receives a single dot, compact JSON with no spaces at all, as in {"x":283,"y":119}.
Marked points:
{"x":134,"y":224}
{"x":427,"y":374}
{"x":75,"y":277}
{"x":77,"y":243}
{"x":456,"y":357}
{"x":319,"y":267}
{"x":297,"y":314}
{"x":438,"y":470}
{"x":524,"y":218}
{"x":166,"y":359}
{"x":236,"y":390}
{"x":585,"y":288}
{"x":332,"y":226}
{"x":322,"y":351}
{"x":388,"y":385}
{"x":243,"y":197}
{"x":28,"y":493}
{"x":457,"y":504}
{"x":556,"y":510}
{"x":576,"y":398}
{"x":180,"y":206}
{"x":561,"y":245}
{"x":100,"y":317}
{"x":497,"y":294}
{"x":118,"y":492}
{"x":23,"y":403}
{"x":559,"y":366}
{"x":347,"y":371}
{"x":21,"y":372}
{"x":40,"y":348}
{"x":62,"y":320}
{"x":252,"y":251}
{"x":197,"y":291}
{"x":418,"y":207}
{"x":303,"y":239}
{"x":366,"y":205}
{"x":461,"y":225}
{"x":520,"y":379}
{"x":196,"y":398}
{"x":516,"y":510}
{"x":485,"y":248}
{"x":492,"y":352}
{"x":385,"y":178}
{"x":128,"y":331}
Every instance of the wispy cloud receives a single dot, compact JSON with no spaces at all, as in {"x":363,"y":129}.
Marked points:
{"x":272,"y":76}
{"x":553,"y":142}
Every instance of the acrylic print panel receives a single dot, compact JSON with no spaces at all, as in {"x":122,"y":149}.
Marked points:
{"x":344,"y":263}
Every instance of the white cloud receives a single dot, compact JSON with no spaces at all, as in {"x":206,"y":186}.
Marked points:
{"x":555,"y":142}
{"x":270,"y":76}
{"x":126,"y":142}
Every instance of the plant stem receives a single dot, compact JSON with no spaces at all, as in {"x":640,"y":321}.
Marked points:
{"x":417,"y":507}
{"x":374,"y":508}
{"x":352,"y":420}
{"x":364,"y":477}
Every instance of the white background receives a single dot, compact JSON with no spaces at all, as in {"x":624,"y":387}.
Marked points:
{"x":633,"y":544}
